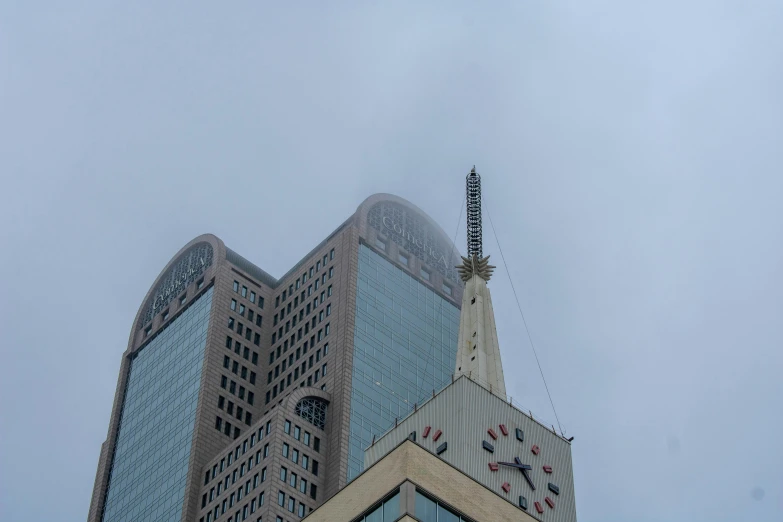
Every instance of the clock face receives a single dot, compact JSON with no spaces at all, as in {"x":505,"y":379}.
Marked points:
{"x":435,"y":438}
{"x":523,"y":474}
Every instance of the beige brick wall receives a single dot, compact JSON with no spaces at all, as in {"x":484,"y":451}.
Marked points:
{"x":411,"y":463}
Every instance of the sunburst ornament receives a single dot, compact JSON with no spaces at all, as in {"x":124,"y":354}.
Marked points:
{"x":475,"y":265}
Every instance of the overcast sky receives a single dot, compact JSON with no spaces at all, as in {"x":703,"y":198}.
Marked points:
{"x":632,"y":158}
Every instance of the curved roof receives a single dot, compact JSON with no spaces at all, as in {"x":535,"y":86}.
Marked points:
{"x":174,"y":271}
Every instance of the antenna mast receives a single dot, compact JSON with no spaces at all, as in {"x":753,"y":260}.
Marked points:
{"x":473,"y":198}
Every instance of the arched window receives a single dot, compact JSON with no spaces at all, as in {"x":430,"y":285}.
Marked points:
{"x":313,"y":410}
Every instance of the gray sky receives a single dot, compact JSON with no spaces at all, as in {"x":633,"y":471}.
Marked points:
{"x":631,"y":156}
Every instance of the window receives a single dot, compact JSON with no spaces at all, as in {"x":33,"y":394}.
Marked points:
{"x":233,"y":304}
{"x":280,"y":501}
{"x":221,"y":401}
{"x":229,"y":342}
{"x":252,"y":297}
{"x":306,"y":438}
{"x":331,"y":254}
{"x":283,"y":474}
{"x":287,"y":427}
{"x":425,"y":274}
{"x":291,"y":504}
{"x":315,"y":467}
{"x":242,"y":310}
{"x":446,"y":289}
{"x":182,"y":299}
{"x":389,"y":511}
{"x":428,"y":510}
{"x":331,"y":272}
{"x":317,"y":444}
{"x":403,"y":259}
{"x":328,"y":309}
{"x":231,"y":322}
{"x":303,"y":486}
{"x":200,"y":284}
{"x":297,"y":432}
{"x":244,"y":291}
{"x":292,"y":480}
{"x":313,"y":490}
{"x":305,"y":461}
{"x":295,"y":456}
{"x":218,"y":426}
{"x":286,"y":449}
{"x":329,"y":291}
{"x":301,"y":511}
{"x":236,"y":286}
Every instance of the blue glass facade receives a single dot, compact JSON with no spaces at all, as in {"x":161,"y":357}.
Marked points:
{"x":405,"y":345}
{"x":150,"y":465}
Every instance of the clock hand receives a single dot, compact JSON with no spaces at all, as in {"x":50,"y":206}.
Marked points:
{"x":524,"y":468}
{"x":517,"y":465}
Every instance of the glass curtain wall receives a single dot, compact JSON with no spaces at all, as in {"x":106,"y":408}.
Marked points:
{"x":150,"y":465}
{"x":405,"y":346}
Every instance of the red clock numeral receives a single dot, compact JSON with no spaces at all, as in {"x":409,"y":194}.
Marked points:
{"x":437,"y":435}
{"x":492,"y":433}
{"x":539,"y":507}
{"x":549,"y":502}
{"x":535,"y":449}
{"x":506,"y":487}
{"x":493,"y":466}
{"x":504,"y":430}
{"x":548,"y":469}
{"x":426,"y":432}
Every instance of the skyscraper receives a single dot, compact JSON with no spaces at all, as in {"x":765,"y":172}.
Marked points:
{"x":242,"y":396}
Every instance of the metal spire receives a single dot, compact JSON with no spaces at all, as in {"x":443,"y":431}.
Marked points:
{"x":478,"y":353}
{"x":473,"y":198}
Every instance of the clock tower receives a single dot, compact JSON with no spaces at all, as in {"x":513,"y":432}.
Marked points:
{"x":472,"y":425}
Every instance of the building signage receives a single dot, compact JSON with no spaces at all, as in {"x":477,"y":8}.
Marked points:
{"x":176,"y":286}
{"x":184,"y":272}
{"x":409,"y":236}
{"x":407,"y":229}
